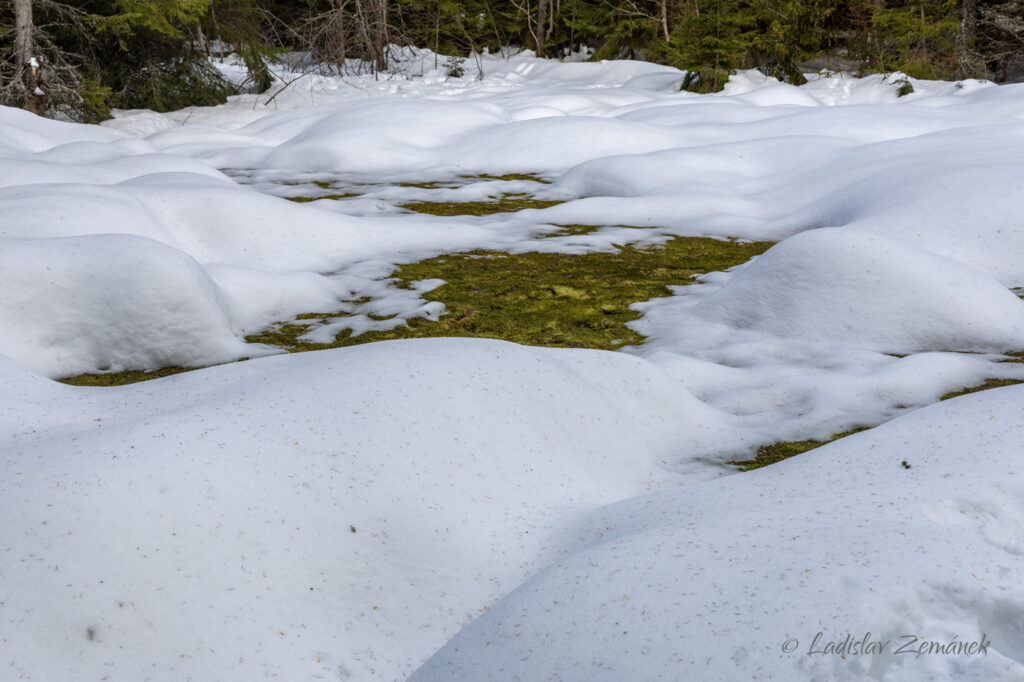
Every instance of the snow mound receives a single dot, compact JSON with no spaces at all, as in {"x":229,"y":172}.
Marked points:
{"x":735,"y":579}
{"x":636,"y":74}
{"x":110,"y":302}
{"x":868,"y":291}
{"x":340,"y":515}
{"x":377,"y":135}
{"x":23,"y":131}
{"x":337,"y":514}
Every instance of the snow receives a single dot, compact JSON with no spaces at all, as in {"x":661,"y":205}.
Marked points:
{"x":345,"y":514}
{"x":713,"y":580}
{"x":78,"y":304}
{"x":868,"y":292}
{"x":203,"y":522}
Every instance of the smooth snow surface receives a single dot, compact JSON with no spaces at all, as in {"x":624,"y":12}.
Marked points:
{"x":867,"y":291}
{"x":201,"y":526}
{"x":711,"y":581}
{"x":344,"y":514}
{"x":77,"y":304}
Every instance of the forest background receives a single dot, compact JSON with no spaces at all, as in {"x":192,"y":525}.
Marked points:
{"x":78,"y":60}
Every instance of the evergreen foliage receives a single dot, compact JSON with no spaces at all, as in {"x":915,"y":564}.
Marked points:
{"x":715,"y":41}
{"x":155,"y":53}
{"x":916,"y":37}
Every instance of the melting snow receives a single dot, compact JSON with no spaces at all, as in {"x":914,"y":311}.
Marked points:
{"x":344,"y":514}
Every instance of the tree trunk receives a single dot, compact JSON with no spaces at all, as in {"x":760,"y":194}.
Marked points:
{"x":22,"y":34}
{"x":383,"y":37}
{"x":966,"y":60}
{"x":363,"y":25}
{"x":542,"y":20}
{"x":27,"y":66}
{"x":338,"y":47}
{"x":204,"y":46}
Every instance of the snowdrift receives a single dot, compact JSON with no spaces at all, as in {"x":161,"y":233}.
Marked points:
{"x":868,"y":292}
{"x":340,"y":513}
{"x":110,"y":302}
{"x":907,"y":534}
{"x":345,"y":514}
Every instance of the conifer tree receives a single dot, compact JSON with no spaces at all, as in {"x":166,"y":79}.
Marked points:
{"x":1001,"y":36}
{"x":710,"y":41}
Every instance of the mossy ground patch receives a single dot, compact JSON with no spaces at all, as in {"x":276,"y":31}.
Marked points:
{"x":1015,"y":357}
{"x":770,"y":454}
{"x":128,"y":376}
{"x":323,"y":197}
{"x":988,"y":384}
{"x":506,"y":203}
{"x":541,"y":299}
{"x":344,"y":187}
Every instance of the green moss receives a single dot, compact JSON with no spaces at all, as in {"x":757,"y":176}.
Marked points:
{"x":989,"y":383}
{"x":509,"y":176}
{"x":508,"y":203}
{"x":324,"y":316}
{"x":331,"y":197}
{"x":426,"y":185}
{"x":1016,"y":356}
{"x":503,"y":204}
{"x":576,"y":229}
{"x":541,"y":299}
{"x":463,"y":180}
{"x":128,"y":376}
{"x":286,"y":335}
{"x":459,"y":181}
{"x":322,"y":184}
{"x":770,"y":454}
{"x":589,"y":229}
{"x":567,"y":292}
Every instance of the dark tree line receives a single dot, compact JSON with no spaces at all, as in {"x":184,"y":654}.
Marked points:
{"x":78,"y":58}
